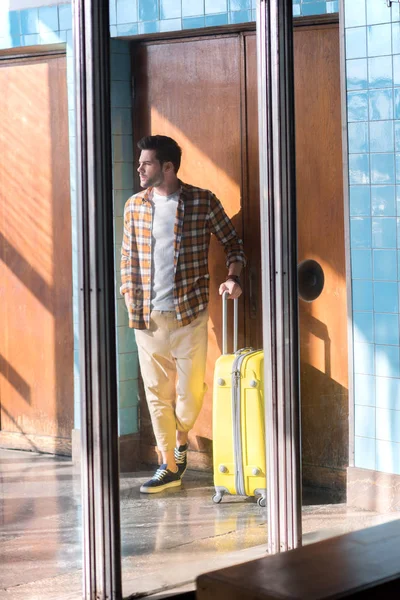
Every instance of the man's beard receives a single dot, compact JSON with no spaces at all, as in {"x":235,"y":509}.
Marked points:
{"x":155,"y":181}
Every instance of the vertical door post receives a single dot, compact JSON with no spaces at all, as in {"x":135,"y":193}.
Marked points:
{"x":279,"y":271}
{"x":99,"y":429}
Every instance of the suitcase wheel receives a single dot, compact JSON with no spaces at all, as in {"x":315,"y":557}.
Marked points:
{"x":217,"y":498}
{"x":261,"y":501}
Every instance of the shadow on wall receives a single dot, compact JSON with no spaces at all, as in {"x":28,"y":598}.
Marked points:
{"x":324,"y":413}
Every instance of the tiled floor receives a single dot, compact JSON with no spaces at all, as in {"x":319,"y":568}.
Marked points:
{"x":167,"y":540}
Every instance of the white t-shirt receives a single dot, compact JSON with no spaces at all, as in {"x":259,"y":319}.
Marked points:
{"x":164,"y":213}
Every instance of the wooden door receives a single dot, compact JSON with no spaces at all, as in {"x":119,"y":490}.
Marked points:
{"x":190,"y":90}
{"x":320,"y":221}
{"x":203,"y":92}
{"x":36,"y":334}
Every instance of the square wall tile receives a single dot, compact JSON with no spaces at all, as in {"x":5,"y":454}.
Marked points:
{"x":386,"y":297}
{"x":361,"y":263}
{"x":380,"y":72}
{"x":127,"y":11}
{"x":382,"y":168}
{"x":148,"y":10}
{"x":170,"y":9}
{"x":313,"y":8}
{"x":121,"y":121}
{"x":383,"y":201}
{"x":121,"y":94}
{"x":171,"y":25}
{"x":386,"y":329}
{"x":363,"y":327}
{"x":118,"y":229}
{"x":364,"y":360}
{"x":120,"y":65}
{"x":364,"y":421}
{"x":387,"y":361}
{"x":126,"y":340}
{"x":239,"y":4}
{"x":388,"y":425}
{"x":395,"y":12}
{"x":128,"y":393}
{"x":48,"y":19}
{"x":364,"y":390}
{"x":380,"y":104}
{"x":124,"y":29}
{"x":359,"y":166}
{"x":121,"y":313}
{"x":123,"y":176}
{"x":239,"y":16}
{"x":379,"y":40}
{"x":384,"y":232}
{"x":357,"y":106}
{"x":385,"y":265}
{"x":216,"y":20}
{"x":29,"y":21}
{"x":364,"y":453}
{"x":360,"y":232}
{"x":354,"y":13}
{"x":149,"y":27}
{"x":360,"y":200}
{"x":215,"y":6}
{"x":358,"y":137}
{"x":381,"y":136}
{"x":332,"y":6}
{"x":362,"y":295}
{"x":388,"y":457}
{"x":387,"y":392}
{"x":396,"y":38}
{"x":357,"y":74}
{"x":356,"y":42}
{"x":32,"y":39}
{"x":193,"y":23}
{"x":377,"y":12}
{"x":192,"y":8}
{"x":128,"y":420}
{"x":112,"y":13}
{"x":128,"y":366}
{"x":65,"y":16}
{"x":122,"y":148}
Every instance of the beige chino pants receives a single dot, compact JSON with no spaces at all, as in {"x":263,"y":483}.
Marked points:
{"x":172,"y":362}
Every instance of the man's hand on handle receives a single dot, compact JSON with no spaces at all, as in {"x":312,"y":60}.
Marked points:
{"x":232,"y":287}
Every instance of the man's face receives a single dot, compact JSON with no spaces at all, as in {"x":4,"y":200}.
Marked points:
{"x":150,"y":171}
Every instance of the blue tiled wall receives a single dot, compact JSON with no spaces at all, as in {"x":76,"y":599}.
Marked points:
{"x":132,"y":17}
{"x":373,"y":109}
{"x":122,"y":152}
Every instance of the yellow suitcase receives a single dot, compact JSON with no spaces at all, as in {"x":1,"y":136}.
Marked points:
{"x":238,"y":420}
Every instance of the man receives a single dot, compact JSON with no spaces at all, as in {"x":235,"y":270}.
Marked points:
{"x":165,"y":280}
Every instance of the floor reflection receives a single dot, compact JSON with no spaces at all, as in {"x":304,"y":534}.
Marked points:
{"x":167,"y":539}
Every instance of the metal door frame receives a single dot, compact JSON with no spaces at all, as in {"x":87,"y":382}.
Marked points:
{"x":279,"y":271}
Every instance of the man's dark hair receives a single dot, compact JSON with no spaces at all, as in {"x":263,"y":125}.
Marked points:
{"x":167,"y":150}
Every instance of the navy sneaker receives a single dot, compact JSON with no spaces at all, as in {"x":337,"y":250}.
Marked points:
{"x":162,"y":479}
{"x":181,"y":458}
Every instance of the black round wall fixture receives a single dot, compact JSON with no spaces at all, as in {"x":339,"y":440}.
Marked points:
{"x":310,"y":280}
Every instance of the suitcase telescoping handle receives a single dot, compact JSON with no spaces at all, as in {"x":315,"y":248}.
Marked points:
{"x":225,"y":297}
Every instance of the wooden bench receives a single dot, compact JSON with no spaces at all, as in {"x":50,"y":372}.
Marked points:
{"x":362,"y":564}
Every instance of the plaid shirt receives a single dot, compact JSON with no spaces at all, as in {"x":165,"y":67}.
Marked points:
{"x":199,"y":214}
